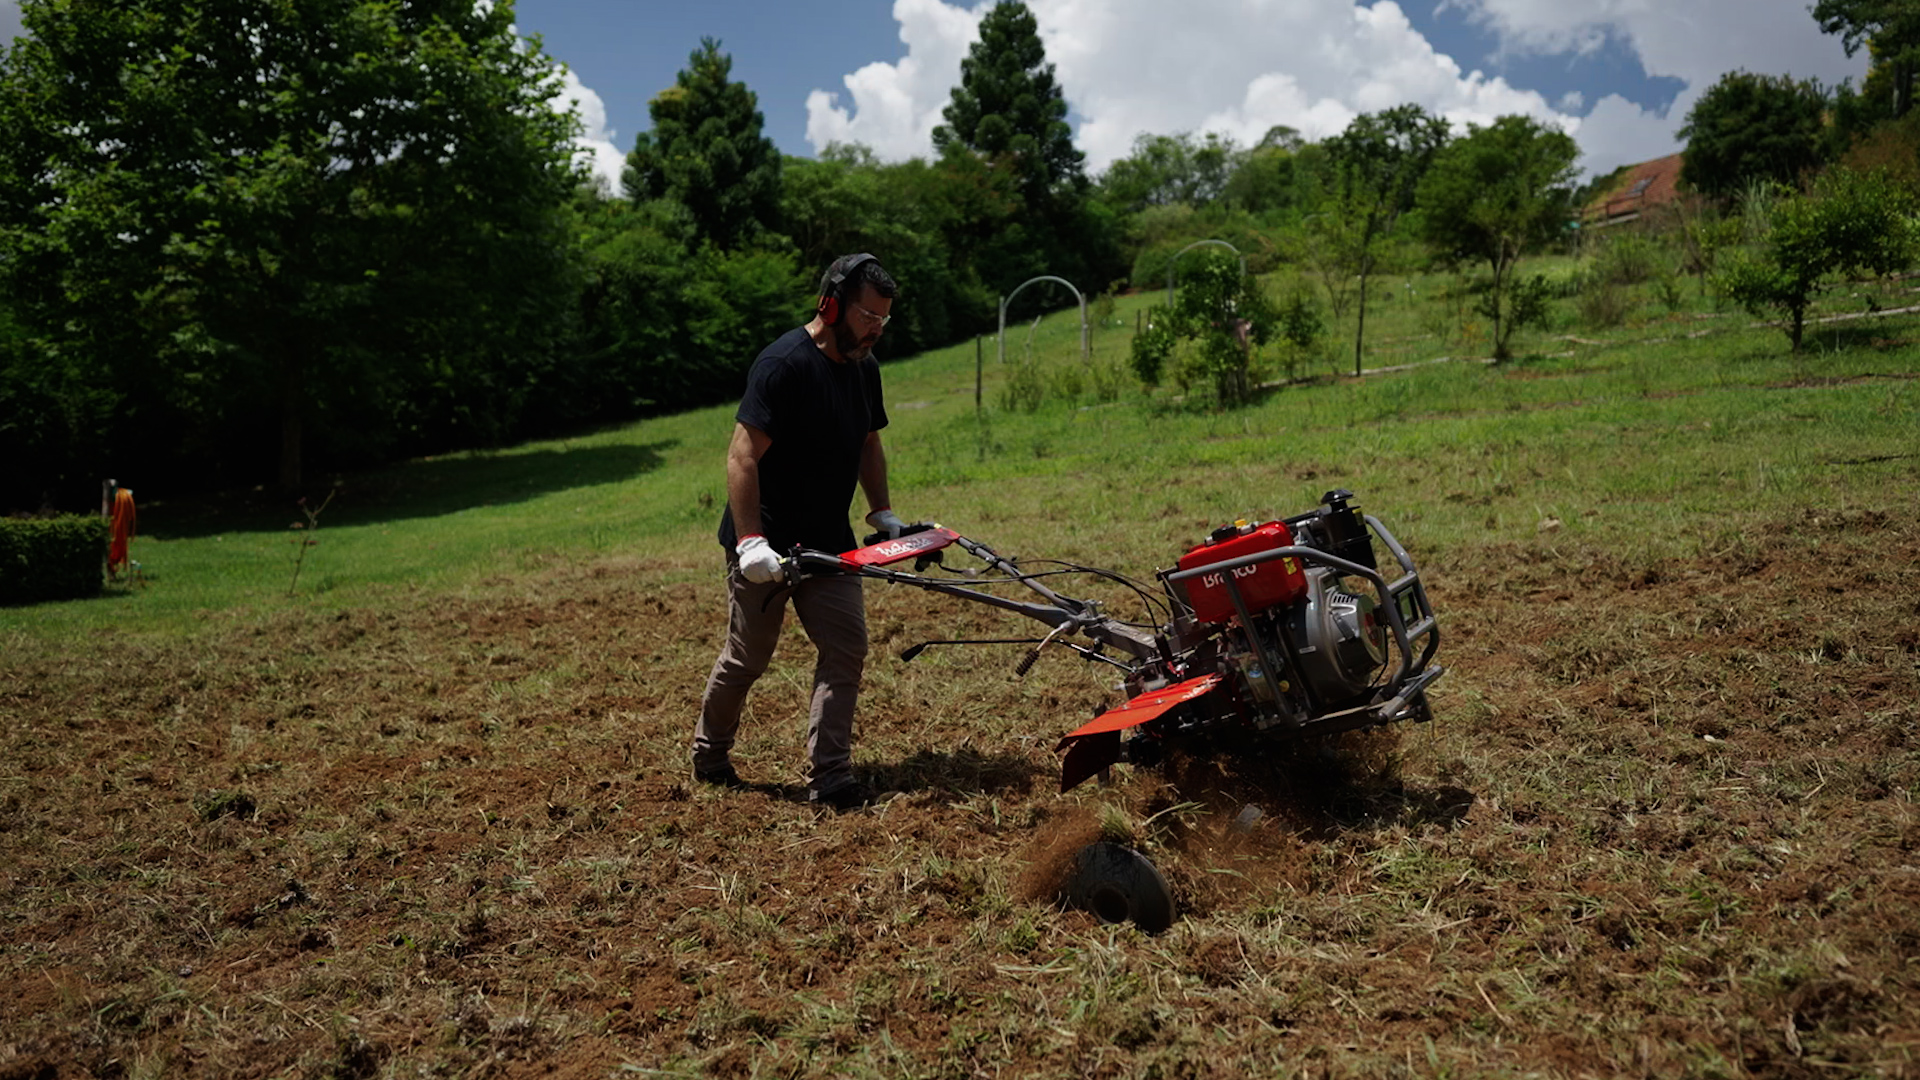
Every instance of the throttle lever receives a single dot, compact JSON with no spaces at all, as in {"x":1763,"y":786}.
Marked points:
{"x":1033,"y":655}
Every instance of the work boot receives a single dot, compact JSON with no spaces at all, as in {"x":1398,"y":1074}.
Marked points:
{"x":847,"y":797}
{"x":721,"y":776}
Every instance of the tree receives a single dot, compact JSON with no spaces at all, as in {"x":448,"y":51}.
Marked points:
{"x":1890,"y":28}
{"x":1008,"y":107}
{"x":847,"y":201}
{"x":1752,"y":127}
{"x":1268,"y":176}
{"x":342,"y":217}
{"x":1850,"y":222}
{"x":707,"y":152}
{"x":1221,"y":316}
{"x":1377,"y":165}
{"x":1489,"y":196}
{"x":1006,"y":135}
{"x":1168,"y":169}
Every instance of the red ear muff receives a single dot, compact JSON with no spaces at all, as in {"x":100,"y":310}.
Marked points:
{"x":830,"y":288}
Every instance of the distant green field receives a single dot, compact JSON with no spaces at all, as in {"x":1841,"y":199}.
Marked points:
{"x":1675,"y":424}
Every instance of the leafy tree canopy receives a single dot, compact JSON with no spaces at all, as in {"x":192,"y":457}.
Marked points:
{"x":1498,"y":189}
{"x":1168,"y":169}
{"x":1379,"y":160}
{"x":1892,"y":27}
{"x":1752,"y":128}
{"x":346,"y":214}
{"x":707,"y":151}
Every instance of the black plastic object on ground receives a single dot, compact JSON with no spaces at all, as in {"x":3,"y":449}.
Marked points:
{"x":1119,"y":884}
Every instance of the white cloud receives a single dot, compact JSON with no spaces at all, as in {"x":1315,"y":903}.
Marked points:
{"x":1217,"y":72}
{"x":10,"y":25}
{"x":895,"y":107}
{"x":1696,"y":41}
{"x":1241,"y":66}
{"x":1617,"y":132}
{"x":1128,"y":67}
{"x":596,"y":138}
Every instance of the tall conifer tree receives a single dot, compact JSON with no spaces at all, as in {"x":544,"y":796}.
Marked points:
{"x":707,"y":152}
{"x":1006,"y":137}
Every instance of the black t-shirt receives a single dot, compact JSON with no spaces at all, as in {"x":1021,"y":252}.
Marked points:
{"x":818,"y":413}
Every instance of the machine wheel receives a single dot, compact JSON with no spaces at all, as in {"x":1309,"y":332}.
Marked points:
{"x":1118,"y":884}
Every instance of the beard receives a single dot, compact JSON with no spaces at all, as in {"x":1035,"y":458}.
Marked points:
{"x":848,"y":342}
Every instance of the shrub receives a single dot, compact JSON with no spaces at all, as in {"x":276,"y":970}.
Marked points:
{"x":1602,"y":304}
{"x":1859,"y":222}
{"x":1068,"y":381}
{"x":1667,"y":288}
{"x":1152,"y":346}
{"x":1300,"y":328}
{"x":51,"y":558}
{"x":1519,"y":301}
{"x":1630,"y":259}
{"x":1026,"y":388}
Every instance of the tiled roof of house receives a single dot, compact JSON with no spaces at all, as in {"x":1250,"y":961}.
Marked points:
{"x":1646,"y":185}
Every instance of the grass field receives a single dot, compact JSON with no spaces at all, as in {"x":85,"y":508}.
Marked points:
{"x":428,"y":814}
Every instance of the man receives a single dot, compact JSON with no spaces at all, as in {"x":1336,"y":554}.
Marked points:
{"x":808,"y":428}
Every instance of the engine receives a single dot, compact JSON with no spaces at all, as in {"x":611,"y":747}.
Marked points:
{"x":1296,"y":636}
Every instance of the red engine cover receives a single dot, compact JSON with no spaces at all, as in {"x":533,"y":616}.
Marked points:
{"x":1262,"y":585}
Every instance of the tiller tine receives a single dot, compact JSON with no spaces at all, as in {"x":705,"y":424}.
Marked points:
{"x":1096,"y":745}
{"x":1087,"y":756}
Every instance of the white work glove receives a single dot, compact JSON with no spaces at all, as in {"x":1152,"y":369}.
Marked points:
{"x":759,"y":563}
{"x":888,"y":522}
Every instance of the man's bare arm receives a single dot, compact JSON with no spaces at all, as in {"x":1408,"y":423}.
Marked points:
{"x":744,"y":452}
{"x":873,"y":472}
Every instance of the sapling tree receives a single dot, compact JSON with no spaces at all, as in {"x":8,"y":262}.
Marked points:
{"x":1489,"y":197}
{"x":1849,"y":223}
{"x":1216,"y":320}
{"x":1377,"y":165}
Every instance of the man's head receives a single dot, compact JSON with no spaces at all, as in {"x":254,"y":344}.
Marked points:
{"x":856,"y":302}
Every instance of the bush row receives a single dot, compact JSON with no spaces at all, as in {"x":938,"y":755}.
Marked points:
{"x":51,"y":558}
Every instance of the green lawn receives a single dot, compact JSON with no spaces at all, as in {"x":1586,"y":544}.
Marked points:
{"x":1681,"y":426}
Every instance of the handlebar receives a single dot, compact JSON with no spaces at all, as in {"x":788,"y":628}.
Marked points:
{"x":1063,"y":614}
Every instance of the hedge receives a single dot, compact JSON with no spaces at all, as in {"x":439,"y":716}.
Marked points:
{"x":51,"y":558}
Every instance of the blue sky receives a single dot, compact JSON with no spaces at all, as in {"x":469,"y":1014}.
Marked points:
{"x":1618,"y":74}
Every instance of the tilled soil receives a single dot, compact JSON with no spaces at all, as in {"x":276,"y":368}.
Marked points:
{"x":1663,"y":823}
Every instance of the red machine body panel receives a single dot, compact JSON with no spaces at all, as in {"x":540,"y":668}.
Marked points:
{"x":906,"y":547}
{"x":1262,"y":585}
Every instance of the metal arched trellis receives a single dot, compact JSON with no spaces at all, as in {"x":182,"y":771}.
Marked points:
{"x":1175,"y":262}
{"x":1086,"y":340}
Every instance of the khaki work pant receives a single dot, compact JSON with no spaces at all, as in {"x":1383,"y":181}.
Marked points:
{"x":833,"y":613}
